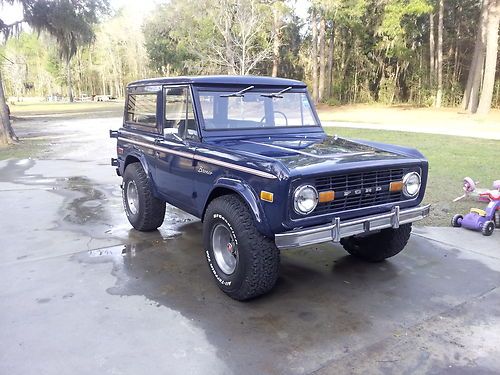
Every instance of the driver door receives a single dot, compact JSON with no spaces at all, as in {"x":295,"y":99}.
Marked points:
{"x":175,"y":169}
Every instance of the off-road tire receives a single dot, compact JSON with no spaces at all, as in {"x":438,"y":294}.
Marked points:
{"x":378,"y":246}
{"x":151,"y":211}
{"x":488,"y":228}
{"x":455,"y":221}
{"x":257,"y":267}
{"x":497,"y":219}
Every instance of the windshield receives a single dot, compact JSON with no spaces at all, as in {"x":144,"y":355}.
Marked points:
{"x":223,"y":110}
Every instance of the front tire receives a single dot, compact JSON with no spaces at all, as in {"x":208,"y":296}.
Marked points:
{"x":244,"y":263}
{"x":456,"y":221}
{"x":378,"y":246}
{"x":145,"y":212}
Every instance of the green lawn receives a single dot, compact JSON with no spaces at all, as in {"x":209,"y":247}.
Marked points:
{"x":450,"y":160}
{"x":22,"y":150}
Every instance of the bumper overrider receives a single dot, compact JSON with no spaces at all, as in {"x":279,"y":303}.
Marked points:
{"x":339,"y":229}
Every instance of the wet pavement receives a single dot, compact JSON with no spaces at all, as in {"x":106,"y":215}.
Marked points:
{"x":83,"y":293}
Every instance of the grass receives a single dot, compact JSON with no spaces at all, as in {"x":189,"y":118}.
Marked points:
{"x":23,"y":150}
{"x":450,"y":160}
{"x":23,"y":108}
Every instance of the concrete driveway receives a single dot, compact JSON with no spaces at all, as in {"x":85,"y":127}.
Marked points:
{"x":83,"y":293}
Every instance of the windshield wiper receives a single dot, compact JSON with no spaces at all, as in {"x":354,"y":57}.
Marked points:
{"x":277,"y":94}
{"x":238,"y":93}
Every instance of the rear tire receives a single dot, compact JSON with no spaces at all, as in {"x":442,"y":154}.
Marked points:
{"x":378,"y":246}
{"x":497,"y":219}
{"x":488,"y":228}
{"x":145,"y":212}
{"x":244,"y":263}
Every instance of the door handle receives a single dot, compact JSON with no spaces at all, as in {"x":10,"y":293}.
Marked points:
{"x":157,"y":141}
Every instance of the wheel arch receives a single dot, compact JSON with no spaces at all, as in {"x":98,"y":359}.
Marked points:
{"x":138,"y":157}
{"x":135,"y":157}
{"x":226,"y":186}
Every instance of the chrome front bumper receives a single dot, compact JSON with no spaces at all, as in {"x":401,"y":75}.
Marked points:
{"x":340,"y":229}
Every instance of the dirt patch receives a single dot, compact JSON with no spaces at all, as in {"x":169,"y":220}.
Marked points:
{"x":406,"y":114}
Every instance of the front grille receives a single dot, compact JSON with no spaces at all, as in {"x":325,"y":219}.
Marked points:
{"x":376,"y":180}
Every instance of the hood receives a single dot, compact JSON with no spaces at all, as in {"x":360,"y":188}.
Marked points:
{"x":315,"y":154}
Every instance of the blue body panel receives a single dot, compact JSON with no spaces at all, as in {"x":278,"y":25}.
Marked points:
{"x":188,"y":174}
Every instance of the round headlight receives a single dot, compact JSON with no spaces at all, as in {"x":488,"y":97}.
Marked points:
{"x":411,"y":184}
{"x":305,"y":199}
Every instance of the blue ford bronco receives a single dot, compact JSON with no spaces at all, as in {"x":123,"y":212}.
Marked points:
{"x":248,"y":156}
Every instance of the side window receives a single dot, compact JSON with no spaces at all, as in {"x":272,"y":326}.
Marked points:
{"x":141,"y":109}
{"x":179,"y":115}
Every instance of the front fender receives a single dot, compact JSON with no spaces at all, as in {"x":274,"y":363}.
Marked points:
{"x":248,"y":195}
{"x":407,"y":151}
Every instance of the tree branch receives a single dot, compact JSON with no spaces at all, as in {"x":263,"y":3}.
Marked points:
{"x":8,"y":26}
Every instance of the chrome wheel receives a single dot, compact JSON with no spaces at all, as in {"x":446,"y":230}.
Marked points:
{"x":132,"y":197}
{"x":225,"y":249}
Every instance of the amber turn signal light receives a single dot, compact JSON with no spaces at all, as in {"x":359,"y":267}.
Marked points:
{"x":395,"y":186}
{"x":266,"y":196}
{"x":326,"y":196}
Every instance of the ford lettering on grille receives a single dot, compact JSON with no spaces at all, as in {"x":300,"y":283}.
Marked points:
{"x":359,"y":190}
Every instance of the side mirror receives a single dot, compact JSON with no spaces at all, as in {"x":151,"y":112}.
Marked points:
{"x":173,"y":132}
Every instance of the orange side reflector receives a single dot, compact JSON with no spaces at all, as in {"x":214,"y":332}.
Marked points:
{"x":326,"y":196}
{"x":266,"y":196}
{"x":396,"y":186}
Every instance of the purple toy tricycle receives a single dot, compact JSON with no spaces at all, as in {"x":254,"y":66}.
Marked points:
{"x":477,"y":219}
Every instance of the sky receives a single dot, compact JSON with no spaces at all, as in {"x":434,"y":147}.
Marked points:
{"x":12,"y":13}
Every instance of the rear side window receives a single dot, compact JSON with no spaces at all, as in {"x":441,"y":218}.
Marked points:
{"x":141,"y":109}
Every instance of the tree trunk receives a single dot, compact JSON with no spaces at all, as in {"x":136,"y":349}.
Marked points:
{"x":7,"y":134}
{"x":68,"y":79}
{"x":314,"y":56}
{"x":322,"y":61}
{"x":395,"y":83}
{"x":471,"y":93}
{"x":432,"y":51}
{"x":331,"y":50}
{"x":229,"y":45}
{"x":355,"y":88}
{"x":277,"y":40}
{"x":491,"y":57}
{"x":456,"y":63}
{"x":439,"y":94}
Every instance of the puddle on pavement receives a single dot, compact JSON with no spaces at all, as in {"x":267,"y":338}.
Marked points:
{"x":325,"y":302}
{"x":113,"y":251}
{"x":15,"y":170}
{"x":87,"y":206}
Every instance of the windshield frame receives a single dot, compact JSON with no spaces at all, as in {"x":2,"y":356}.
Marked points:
{"x":260,"y":130}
